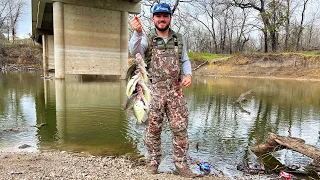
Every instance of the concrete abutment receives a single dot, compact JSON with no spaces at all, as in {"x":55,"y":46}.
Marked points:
{"x":88,"y":37}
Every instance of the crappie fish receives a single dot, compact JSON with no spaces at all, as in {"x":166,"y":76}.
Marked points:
{"x":146,"y":104}
{"x":143,"y":72}
{"x":140,"y":100}
{"x":131,"y":71}
{"x":130,"y":101}
{"x":138,"y":111}
{"x":145,"y":90}
{"x":132,"y":84}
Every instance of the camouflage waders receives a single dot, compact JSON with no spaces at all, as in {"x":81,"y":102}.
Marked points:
{"x":167,"y":98}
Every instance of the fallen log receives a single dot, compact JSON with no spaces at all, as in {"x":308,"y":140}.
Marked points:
{"x":276,"y":142}
{"x":202,"y":64}
{"x":242,"y":97}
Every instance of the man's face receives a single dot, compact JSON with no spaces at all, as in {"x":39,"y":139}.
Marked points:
{"x":161,"y":21}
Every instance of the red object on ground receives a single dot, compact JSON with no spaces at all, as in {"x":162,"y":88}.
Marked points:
{"x":285,"y":175}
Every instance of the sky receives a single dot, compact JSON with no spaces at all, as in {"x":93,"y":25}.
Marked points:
{"x":25,"y":23}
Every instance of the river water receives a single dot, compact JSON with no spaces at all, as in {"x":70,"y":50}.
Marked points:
{"x":83,"y":114}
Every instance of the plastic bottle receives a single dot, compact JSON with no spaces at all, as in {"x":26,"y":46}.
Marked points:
{"x":205,"y":168}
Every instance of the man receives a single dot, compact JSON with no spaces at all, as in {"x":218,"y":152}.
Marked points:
{"x":165,"y":56}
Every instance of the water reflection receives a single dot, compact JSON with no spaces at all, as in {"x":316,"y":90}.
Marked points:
{"x":285,"y":107}
{"x":83,"y":113}
{"x":88,"y":115}
{"x":17,"y":111}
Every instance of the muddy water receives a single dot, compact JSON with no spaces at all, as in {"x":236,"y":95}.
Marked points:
{"x":83,"y":114}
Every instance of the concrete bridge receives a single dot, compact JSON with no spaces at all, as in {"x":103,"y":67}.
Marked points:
{"x":83,"y":36}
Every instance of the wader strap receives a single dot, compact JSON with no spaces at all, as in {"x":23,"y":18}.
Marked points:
{"x":176,"y":45}
{"x":154,"y":43}
{"x":175,"y":40}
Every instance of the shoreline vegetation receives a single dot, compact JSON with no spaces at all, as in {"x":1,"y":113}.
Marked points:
{"x":20,"y":56}
{"x":65,"y":165}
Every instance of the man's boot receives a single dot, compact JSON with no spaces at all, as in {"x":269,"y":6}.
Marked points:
{"x":152,"y":169}
{"x":184,"y":170}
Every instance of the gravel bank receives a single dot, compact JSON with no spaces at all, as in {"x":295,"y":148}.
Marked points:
{"x":64,"y":165}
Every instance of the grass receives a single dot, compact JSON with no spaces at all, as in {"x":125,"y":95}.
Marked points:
{"x":209,"y":56}
{"x":204,"y":55}
{"x":310,"y":52}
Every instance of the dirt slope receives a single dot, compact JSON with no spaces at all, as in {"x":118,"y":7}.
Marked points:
{"x":283,"y":65}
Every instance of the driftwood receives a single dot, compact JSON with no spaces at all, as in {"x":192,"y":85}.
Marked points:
{"x":276,"y":142}
{"x":243,"y":98}
{"x":200,"y":65}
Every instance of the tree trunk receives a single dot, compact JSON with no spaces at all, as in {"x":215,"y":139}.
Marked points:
{"x":301,"y":25}
{"x":276,"y":142}
{"x":274,"y":42}
{"x":265,"y":41}
{"x":267,"y":28}
{"x":287,"y":27}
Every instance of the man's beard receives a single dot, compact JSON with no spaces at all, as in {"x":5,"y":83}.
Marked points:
{"x":162,"y":29}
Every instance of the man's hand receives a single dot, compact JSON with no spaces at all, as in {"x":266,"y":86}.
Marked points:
{"x":186,"y":81}
{"x":136,"y":24}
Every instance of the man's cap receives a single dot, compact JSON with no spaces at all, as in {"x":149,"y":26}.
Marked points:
{"x":162,"y":8}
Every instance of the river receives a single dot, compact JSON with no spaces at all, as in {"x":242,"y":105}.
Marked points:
{"x":83,"y":114}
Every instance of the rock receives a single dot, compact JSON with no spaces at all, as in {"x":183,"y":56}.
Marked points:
{"x":11,"y":129}
{"x":24,"y":146}
{"x":39,"y":125}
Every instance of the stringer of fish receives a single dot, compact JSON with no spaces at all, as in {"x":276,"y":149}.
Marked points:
{"x":138,"y":93}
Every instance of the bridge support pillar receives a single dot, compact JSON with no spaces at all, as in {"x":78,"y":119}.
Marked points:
{"x":45,"y":62}
{"x":60,"y":91}
{"x":59,"y":46}
{"x":124,"y":44}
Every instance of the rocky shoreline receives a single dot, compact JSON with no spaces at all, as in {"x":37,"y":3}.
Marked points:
{"x":13,"y":67}
{"x":65,"y":165}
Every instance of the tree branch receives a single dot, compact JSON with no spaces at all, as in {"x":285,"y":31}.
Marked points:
{"x":247,"y":5}
{"x":175,"y":6}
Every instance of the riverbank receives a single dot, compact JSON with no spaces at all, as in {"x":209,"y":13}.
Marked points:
{"x":276,"y":66}
{"x":64,"y":165}
{"x":25,"y":56}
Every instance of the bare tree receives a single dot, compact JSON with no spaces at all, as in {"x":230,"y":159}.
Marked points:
{"x":270,"y":16}
{"x":3,"y":13}
{"x":301,"y":24}
{"x":205,"y":14}
{"x":261,"y":9}
{"x":287,"y":25}
{"x":278,"y":18}
{"x":242,"y":39}
{"x":311,"y":29}
{"x":225,"y":26}
{"x":15,"y":10}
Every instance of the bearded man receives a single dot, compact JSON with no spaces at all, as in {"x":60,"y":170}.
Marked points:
{"x":169,"y":69}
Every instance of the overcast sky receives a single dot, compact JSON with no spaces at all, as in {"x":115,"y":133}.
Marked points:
{"x":25,"y":23}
